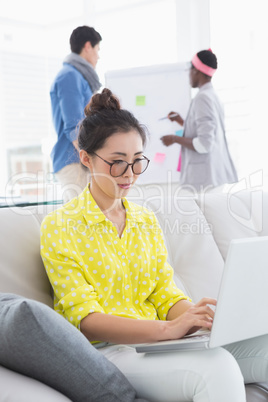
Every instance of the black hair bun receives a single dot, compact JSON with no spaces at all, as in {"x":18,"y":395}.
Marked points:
{"x":105,"y":100}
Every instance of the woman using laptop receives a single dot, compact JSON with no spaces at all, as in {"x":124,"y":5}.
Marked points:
{"x":107,"y":263}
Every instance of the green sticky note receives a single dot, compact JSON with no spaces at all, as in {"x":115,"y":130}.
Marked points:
{"x":140,"y":100}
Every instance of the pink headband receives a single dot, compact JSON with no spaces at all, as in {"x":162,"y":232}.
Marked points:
{"x":197,"y":63}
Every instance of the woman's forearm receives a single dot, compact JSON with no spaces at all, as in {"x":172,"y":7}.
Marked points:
{"x":109,"y":328}
{"x":183,"y":318}
{"x":185,"y":142}
{"x":171,"y":139}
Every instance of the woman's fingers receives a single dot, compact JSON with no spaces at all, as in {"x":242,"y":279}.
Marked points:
{"x":197,"y":316}
{"x":201,"y":310}
{"x":205,"y":301}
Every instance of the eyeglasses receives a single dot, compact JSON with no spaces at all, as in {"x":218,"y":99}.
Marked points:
{"x":118,"y":168}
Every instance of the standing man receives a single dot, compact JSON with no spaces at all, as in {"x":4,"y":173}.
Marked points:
{"x":71,"y":91}
{"x":205,"y":159}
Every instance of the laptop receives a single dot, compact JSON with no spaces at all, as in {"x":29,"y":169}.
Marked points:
{"x":242,"y":303}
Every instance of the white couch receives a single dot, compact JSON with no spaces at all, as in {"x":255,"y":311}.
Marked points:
{"x":197,"y":231}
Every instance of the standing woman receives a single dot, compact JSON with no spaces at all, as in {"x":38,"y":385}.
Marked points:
{"x":107,"y":263}
{"x":206,"y":162}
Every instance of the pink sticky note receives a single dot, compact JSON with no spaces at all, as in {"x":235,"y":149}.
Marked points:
{"x":159,"y":157}
{"x":179,"y":164}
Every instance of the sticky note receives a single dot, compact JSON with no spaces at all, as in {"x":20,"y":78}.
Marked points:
{"x":159,"y":157}
{"x":179,"y":133}
{"x":140,"y":100}
{"x":179,"y":164}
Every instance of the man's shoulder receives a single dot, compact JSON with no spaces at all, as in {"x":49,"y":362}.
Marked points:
{"x":68,"y":73}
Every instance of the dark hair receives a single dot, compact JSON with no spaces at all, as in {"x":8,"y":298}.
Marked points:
{"x":208,"y":58}
{"x":104,"y":117}
{"x":81,"y":35}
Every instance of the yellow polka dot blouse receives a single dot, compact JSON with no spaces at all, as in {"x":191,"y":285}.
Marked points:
{"x":92,"y":269}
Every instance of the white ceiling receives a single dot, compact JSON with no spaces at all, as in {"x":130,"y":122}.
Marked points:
{"x":48,"y":12}
{"x":40,"y":12}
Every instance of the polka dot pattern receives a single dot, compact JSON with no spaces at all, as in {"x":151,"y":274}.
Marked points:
{"x":91,"y":269}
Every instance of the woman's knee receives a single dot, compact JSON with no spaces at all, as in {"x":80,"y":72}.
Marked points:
{"x":200,"y":376}
{"x":252,"y":358}
{"x":218,"y":377}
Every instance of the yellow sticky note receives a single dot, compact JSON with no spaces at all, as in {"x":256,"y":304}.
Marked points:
{"x":140,"y":100}
{"x":159,"y":157}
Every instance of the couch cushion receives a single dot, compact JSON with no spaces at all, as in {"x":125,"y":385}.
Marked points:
{"x":39,"y":343}
{"x":21,"y":268}
{"x":257,"y":392}
{"x":257,"y":205}
{"x":232,"y":216}
{"x":192,"y":251}
{"x":18,"y":387}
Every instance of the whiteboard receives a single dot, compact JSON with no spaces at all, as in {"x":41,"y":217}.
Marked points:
{"x":150,"y":93}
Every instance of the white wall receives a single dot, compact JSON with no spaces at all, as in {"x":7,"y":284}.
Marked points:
{"x":145,"y":32}
{"x":193,"y":27}
{"x":239,"y":32}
